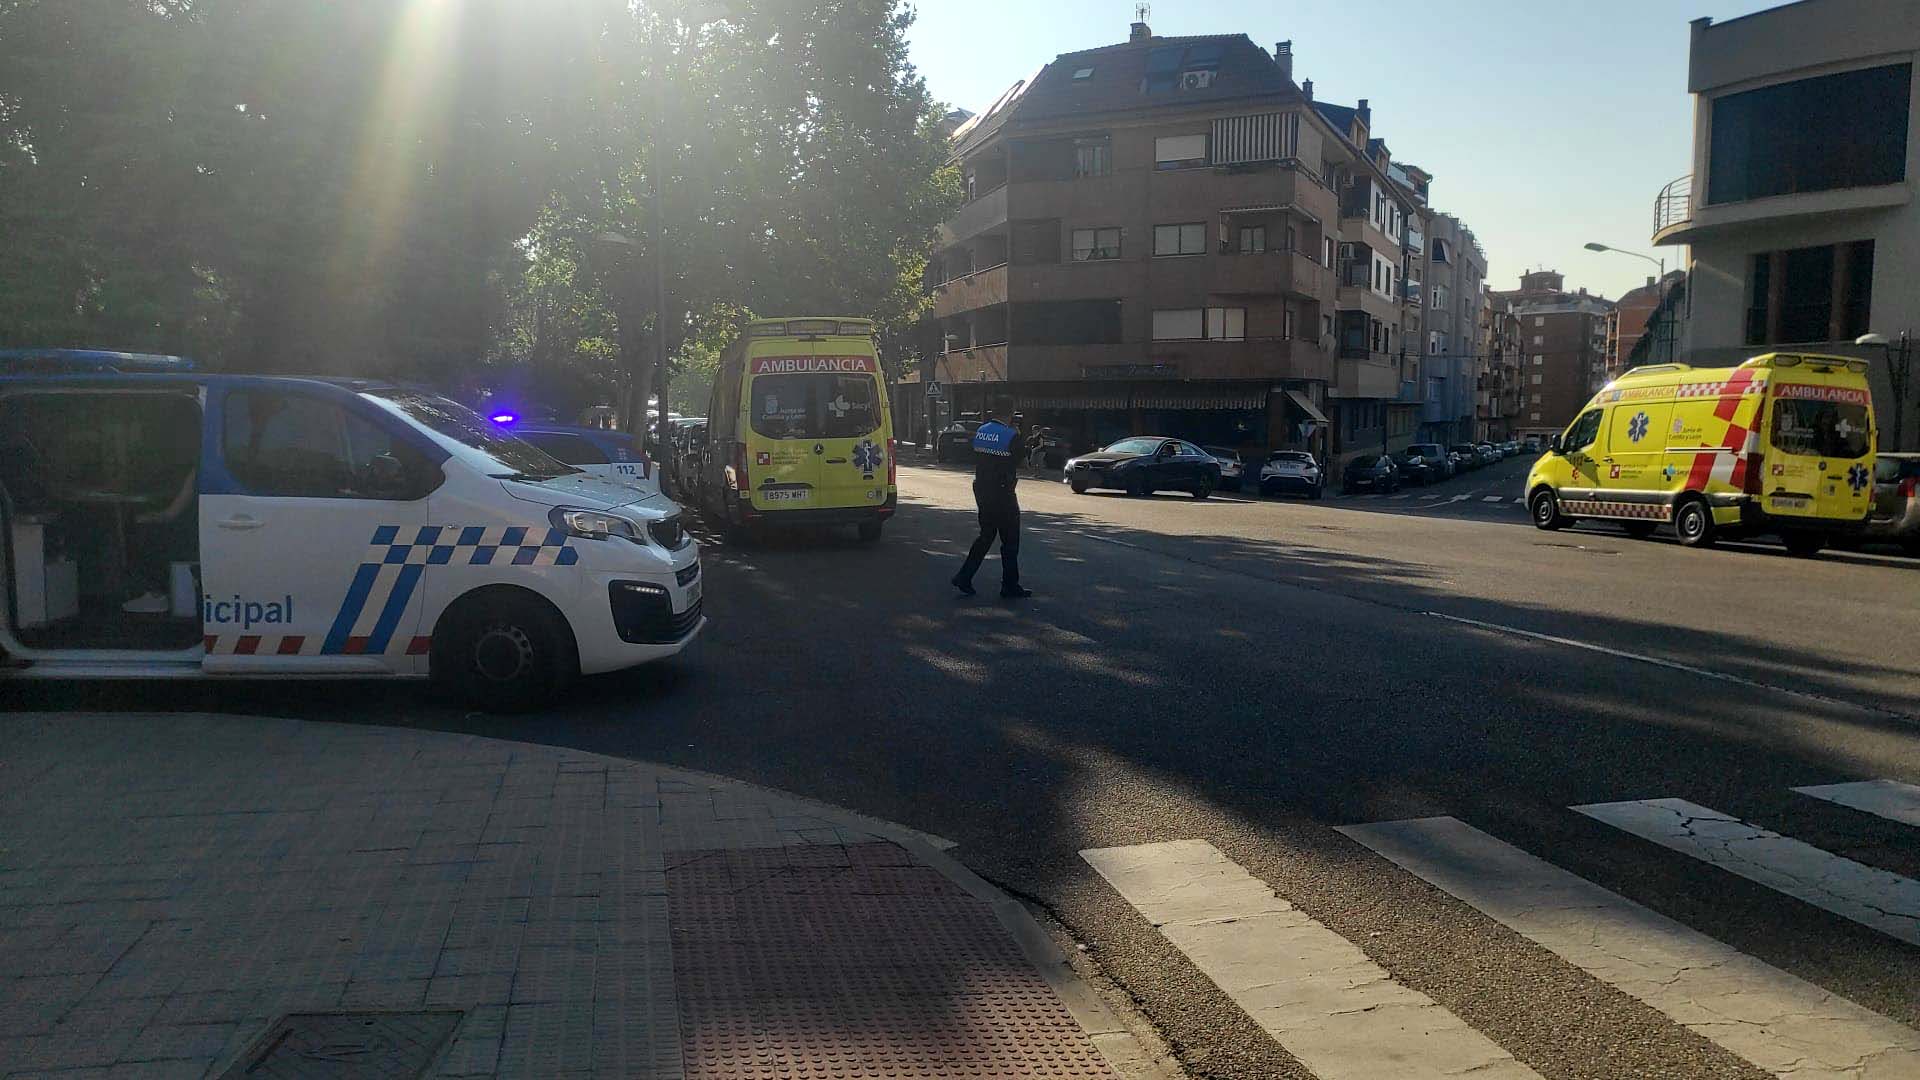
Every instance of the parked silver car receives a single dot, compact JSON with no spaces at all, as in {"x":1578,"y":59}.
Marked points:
{"x":1895,"y":517}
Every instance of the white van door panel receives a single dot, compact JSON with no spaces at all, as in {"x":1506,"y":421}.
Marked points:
{"x":303,"y":570}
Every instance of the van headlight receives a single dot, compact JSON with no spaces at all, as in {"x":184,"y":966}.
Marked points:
{"x":593,"y":524}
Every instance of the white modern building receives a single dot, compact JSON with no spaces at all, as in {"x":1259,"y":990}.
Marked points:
{"x":1800,"y":211}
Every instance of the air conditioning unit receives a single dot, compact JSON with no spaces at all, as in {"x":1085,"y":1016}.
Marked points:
{"x":1196,"y":80}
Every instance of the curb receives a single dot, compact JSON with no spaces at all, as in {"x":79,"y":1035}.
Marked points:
{"x":1123,"y":1051}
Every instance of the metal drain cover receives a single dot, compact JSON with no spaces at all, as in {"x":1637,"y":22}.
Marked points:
{"x":333,"y":1046}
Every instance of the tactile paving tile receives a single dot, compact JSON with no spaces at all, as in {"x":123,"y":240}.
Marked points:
{"x":855,"y":962}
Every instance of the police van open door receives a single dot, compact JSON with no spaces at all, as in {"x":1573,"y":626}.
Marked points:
{"x":307,"y":468}
{"x":98,"y":502}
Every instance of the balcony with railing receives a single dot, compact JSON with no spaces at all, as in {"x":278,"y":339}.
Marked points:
{"x":971,"y":292}
{"x":1673,"y":207}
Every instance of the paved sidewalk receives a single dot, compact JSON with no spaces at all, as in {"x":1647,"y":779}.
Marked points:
{"x":173,"y":886}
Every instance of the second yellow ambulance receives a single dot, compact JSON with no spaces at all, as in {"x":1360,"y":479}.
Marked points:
{"x":1782,"y":444}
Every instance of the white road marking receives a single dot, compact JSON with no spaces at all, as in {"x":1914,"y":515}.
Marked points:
{"x":1519,"y":502}
{"x":1889,"y":799}
{"x":1779,"y":1022}
{"x":1402,"y":495}
{"x":1320,"y":997}
{"x":1869,"y":896}
{"x":1461,"y":498}
{"x":1673,"y":665}
{"x":1495,"y":498}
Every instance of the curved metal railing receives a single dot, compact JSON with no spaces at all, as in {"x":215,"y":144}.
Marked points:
{"x":1674,"y":204}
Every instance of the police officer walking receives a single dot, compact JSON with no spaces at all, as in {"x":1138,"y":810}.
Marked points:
{"x":998,"y":450}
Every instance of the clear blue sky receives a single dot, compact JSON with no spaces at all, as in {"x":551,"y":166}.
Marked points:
{"x":1546,"y":125}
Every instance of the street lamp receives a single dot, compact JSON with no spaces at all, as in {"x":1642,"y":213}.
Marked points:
{"x":1661,"y":336}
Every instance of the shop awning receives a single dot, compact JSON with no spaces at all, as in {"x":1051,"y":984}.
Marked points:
{"x":1201,"y":397}
{"x":1106,"y":399}
{"x":1271,"y":208}
{"x":1301,"y":401}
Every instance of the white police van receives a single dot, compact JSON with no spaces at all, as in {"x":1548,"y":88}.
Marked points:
{"x":211,"y":525}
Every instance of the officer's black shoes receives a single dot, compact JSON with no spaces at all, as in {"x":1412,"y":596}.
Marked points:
{"x":965,"y":586}
{"x":1015,"y":593}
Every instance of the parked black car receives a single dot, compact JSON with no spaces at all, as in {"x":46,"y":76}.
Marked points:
{"x":1414,"y":468}
{"x":955,"y":441}
{"x":1370,"y":472}
{"x":1145,"y":464}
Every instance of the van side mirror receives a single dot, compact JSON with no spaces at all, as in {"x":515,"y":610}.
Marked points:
{"x":1553,"y":444}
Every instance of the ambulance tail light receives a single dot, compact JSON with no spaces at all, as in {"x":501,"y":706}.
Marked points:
{"x":1909,"y":487}
{"x":1755,"y":484}
{"x":737,"y":478}
{"x":893,"y":464}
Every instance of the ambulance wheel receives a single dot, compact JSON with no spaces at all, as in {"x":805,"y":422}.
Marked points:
{"x":1545,"y":509}
{"x":1804,"y":545}
{"x":1693,"y":523}
{"x":869,"y":531}
{"x":503,"y":650}
{"x":1639,"y":530}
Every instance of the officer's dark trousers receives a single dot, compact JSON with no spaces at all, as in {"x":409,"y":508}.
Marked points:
{"x":999,"y":517}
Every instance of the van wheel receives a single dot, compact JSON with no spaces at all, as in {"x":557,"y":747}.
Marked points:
{"x":1639,"y":530}
{"x":870,"y":531}
{"x":505,"y":652}
{"x":1545,"y":509}
{"x":1693,"y":523}
{"x":1804,"y":545}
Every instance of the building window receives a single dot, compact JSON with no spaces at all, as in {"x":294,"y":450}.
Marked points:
{"x":1286,"y":324}
{"x":1326,"y":252}
{"x":1536,"y":399}
{"x":1180,"y":324}
{"x":1833,"y":131}
{"x":1190,"y":239}
{"x":1539,"y":360}
{"x":1179,"y":151}
{"x":1081,"y":74}
{"x":1197,"y":324}
{"x":1293,"y":238}
{"x":1536,"y":378}
{"x":1253,"y":239}
{"x":1536,"y":416}
{"x":1823,"y":294}
{"x":1539,"y":320}
{"x":1539,"y":339}
{"x":1326,"y":325}
{"x":1094,"y":245}
{"x":1227,"y":324}
{"x":1093,"y":157}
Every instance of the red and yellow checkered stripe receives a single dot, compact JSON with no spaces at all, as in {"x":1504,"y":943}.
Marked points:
{"x":1604,"y":508}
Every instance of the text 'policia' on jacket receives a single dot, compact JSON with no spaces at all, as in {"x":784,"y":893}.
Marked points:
{"x":1783,"y":443}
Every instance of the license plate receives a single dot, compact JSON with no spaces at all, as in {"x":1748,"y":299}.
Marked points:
{"x":693,"y":592}
{"x":786,"y":495}
{"x":1789,"y":502}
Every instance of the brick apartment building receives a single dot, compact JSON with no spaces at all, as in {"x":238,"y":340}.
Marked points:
{"x":1165,"y":235}
{"x":1563,"y":344}
{"x":1500,"y":396}
{"x":1633,"y":318}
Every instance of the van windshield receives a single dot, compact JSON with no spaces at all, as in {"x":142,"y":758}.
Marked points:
{"x":518,"y":459}
{"x":815,"y":405}
{"x":1829,"y":429}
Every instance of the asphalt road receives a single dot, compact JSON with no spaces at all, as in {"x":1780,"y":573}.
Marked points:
{"x":1256,"y":673}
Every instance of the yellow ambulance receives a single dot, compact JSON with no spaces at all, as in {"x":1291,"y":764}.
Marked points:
{"x":1781,"y":444}
{"x":799,"y":431}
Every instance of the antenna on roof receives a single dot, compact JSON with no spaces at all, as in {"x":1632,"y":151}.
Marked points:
{"x":1142,"y":12}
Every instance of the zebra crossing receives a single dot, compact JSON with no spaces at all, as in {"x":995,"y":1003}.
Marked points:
{"x":1325,"y":1002}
